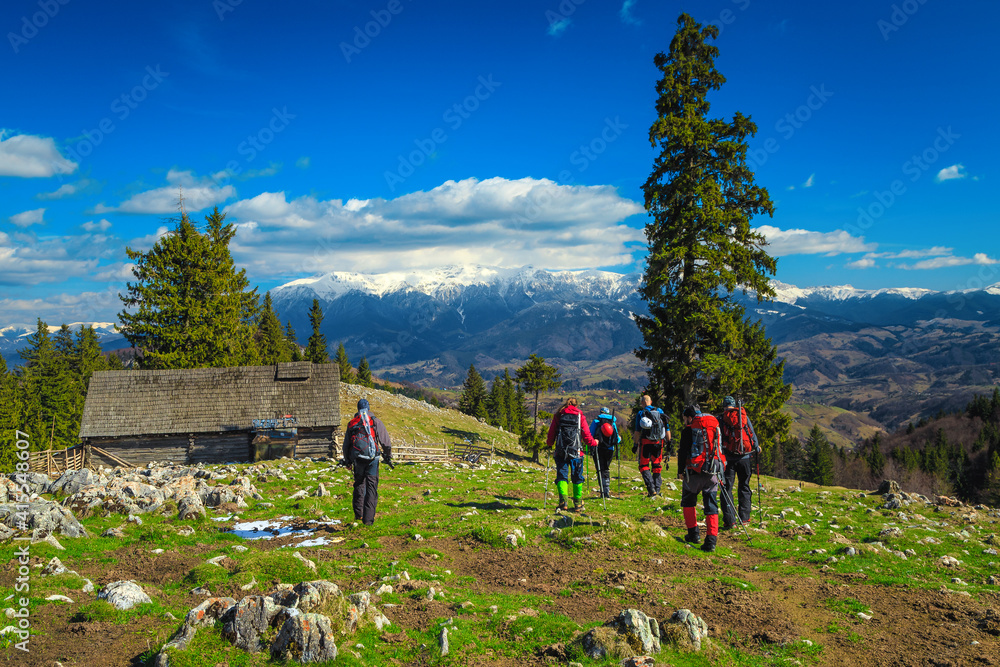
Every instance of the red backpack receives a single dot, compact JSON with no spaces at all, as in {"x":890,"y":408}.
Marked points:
{"x":706,"y":450}
{"x":731,"y":431}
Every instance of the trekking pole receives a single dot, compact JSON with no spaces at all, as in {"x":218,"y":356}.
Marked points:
{"x":760,"y":497}
{"x":545,"y":497}
{"x":600,"y":479}
{"x":726,"y":496}
{"x":618,"y":454}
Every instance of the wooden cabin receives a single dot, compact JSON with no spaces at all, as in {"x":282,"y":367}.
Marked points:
{"x":206,"y":415}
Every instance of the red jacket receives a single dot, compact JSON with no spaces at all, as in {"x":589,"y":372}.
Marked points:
{"x":584,"y":426}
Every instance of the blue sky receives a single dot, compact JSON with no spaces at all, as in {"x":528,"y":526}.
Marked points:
{"x":400,"y":134}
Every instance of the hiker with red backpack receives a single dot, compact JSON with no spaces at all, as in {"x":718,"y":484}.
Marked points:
{"x":605,"y":432}
{"x":366,"y":442}
{"x":739,"y":442}
{"x":569,"y":432}
{"x":651,"y":435}
{"x":701,"y":464}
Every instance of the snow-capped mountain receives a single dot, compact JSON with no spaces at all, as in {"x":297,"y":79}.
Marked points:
{"x":14,"y":336}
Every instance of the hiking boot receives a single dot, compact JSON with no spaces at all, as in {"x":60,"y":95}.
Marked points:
{"x":693,"y":536}
{"x":562,"y":505}
{"x":726,"y":526}
{"x":577,"y":505}
{"x":709,"y":545}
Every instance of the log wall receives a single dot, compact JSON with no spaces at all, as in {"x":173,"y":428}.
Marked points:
{"x":316,"y":442}
{"x":140,"y":451}
{"x":232,"y":447}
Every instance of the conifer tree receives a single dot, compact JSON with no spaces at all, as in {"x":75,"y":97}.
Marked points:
{"x":535,"y":377}
{"x":189,"y":307}
{"x":273,"y":346}
{"x":346,"y":370}
{"x":701,"y":197}
{"x":364,"y":377}
{"x":316,"y":349}
{"x":820,"y":458}
{"x":473,"y":399}
{"x":876,"y":459}
{"x":292,"y":342}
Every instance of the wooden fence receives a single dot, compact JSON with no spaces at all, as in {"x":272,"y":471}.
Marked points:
{"x":404,"y":453}
{"x":55,"y":461}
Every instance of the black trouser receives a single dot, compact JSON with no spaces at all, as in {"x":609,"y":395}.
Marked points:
{"x":602,"y":462}
{"x":365,"y":490}
{"x":737,"y":467}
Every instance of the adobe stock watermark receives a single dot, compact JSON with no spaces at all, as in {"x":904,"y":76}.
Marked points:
{"x":22,"y":555}
{"x":454,"y":117}
{"x":898,"y":17}
{"x":915,"y":167}
{"x":363,"y":35}
{"x":727,"y":16}
{"x":223,"y":7}
{"x":558,"y":18}
{"x":37,"y":21}
{"x":121,"y":107}
{"x":789,"y":124}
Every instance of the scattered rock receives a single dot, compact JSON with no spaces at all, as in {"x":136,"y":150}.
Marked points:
{"x":630,"y":631}
{"x":124,"y":594}
{"x":305,"y":638}
{"x":443,"y":642}
{"x":695,"y":629}
{"x":305,"y":561}
{"x":888,"y":486}
{"x":190,"y":507}
{"x":246,"y":620}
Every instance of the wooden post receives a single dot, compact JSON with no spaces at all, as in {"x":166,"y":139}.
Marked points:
{"x":52,"y":433}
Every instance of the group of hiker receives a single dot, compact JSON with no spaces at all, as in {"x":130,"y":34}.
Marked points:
{"x":713,"y":452}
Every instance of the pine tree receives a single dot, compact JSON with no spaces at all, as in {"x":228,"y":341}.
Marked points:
{"x":294,"y":351}
{"x":364,"y":377}
{"x":701,"y":197}
{"x":317,"y":349}
{"x":189,"y":307}
{"x":273,"y":345}
{"x":500,"y":401}
{"x":820,"y":458}
{"x":473,"y":399}
{"x":346,"y":370}
{"x":876,"y":459}
{"x":535,"y":377}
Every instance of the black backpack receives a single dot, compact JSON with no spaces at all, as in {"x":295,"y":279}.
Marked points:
{"x":361,"y":443}
{"x":658,"y":431}
{"x":568,"y":436}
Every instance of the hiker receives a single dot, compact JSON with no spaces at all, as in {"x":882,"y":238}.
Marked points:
{"x":605,"y":432}
{"x":567,"y":430}
{"x":701,"y":464}
{"x":365,"y":443}
{"x":739,"y":441}
{"x":651,"y":433}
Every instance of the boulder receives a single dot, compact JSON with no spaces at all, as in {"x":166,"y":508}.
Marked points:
{"x":631,"y":631}
{"x":305,"y":638}
{"x":209,"y":611}
{"x":42,"y":516}
{"x":888,"y":486}
{"x":190,"y":507}
{"x":246,"y":620}
{"x":694,"y":629}
{"x":124,"y":594}
{"x":72,"y":481}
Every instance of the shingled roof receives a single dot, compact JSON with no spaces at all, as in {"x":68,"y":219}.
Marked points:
{"x":209,"y":400}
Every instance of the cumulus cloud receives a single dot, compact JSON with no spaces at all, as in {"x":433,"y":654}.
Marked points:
{"x":56,"y":309}
{"x":863,"y":263}
{"x":67,"y":189}
{"x":496,"y":222}
{"x":782,"y":242}
{"x":980,"y":259}
{"x":29,"y":156}
{"x":92,"y":226}
{"x":165,"y":199}
{"x":26,"y":259}
{"x":625,"y":13}
{"x":28,"y":218}
{"x":951,"y":173}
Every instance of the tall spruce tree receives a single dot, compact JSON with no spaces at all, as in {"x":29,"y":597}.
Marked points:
{"x":346,"y":370}
{"x":701,"y":197}
{"x":294,"y":351}
{"x":364,"y":376}
{"x":189,"y":306}
{"x":317,"y":348}
{"x":473,"y":399}
{"x":536,"y":376}
{"x":819,"y":464}
{"x":273,"y":346}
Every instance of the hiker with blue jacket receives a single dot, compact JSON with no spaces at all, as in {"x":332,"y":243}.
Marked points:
{"x":604,"y":429}
{"x":569,"y":432}
{"x":651,"y":436}
{"x":366,"y":441}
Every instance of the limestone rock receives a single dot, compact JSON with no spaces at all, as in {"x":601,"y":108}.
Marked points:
{"x":190,"y":507}
{"x":209,"y":611}
{"x":696,"y":629}
{"x":305,"y":638}
{"x":246,"y":620}
{"x":888,"y":486}
{"x":124,"y":594}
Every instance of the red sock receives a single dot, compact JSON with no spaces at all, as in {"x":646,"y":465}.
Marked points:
{"x":691,"y":518}
{"x":712,"y":523}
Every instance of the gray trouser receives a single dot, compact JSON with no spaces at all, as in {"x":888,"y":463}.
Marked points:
{"x":365,"y":490}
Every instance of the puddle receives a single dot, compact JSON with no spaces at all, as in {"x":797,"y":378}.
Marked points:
{"x":283,"y":526}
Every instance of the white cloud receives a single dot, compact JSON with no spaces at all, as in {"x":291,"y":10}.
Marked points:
{"x":865,"y":262}
{"x":936,"y":251}
{"x":26,"y":259}
{"x":625,"y":13}
{"x":56,"y":309}
{"x":951,"y":173}
{"x":782,"y":242}
{"x":67,"y":189}
{"x":558,"y":27}
{"x":28,"y":218}
{"x":303,"y":162}
{"x":165,"y":200}
{"x":92,"y":226}
{"x":809,"y":181}
{"x":496,"y":221}
{"x":148,"y":241}
{"x":980,"y":259}
{"x":29,"y":156}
